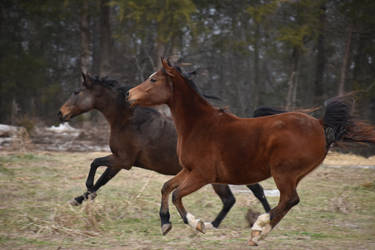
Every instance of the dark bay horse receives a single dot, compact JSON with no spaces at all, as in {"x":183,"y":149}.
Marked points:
{"x":140,"y":137}
{"x":215,"y":146}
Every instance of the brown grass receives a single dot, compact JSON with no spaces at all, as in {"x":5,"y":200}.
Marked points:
{"x":336,"y":209}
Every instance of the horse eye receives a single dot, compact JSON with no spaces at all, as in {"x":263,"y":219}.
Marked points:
{"x":76,"y":92}
{"x":153,"y":80}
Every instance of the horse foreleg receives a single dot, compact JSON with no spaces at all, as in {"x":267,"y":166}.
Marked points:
{"x":228,"y":200}
{"x":102,"y":161}
{"x":189,"y":185}
{"x":167,"y":188}
{"x":265,"y":222}
{"x":258,"y":191}
{"x":108,"y":174}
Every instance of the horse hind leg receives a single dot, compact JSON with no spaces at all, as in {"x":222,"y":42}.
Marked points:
{"x":288,"y":199}
{"x":258,"y":191}
{"x":228,"y":200}
{"x":101,"y":161}
{"x":107,"y":175}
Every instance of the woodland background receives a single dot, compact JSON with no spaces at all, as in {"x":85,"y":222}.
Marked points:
{"x":288,"y":54}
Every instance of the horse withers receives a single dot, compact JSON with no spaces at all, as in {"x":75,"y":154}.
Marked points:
{"x":215,"y":146}
{"x":140,"y":137}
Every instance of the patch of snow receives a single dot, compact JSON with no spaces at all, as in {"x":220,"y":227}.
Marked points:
{"x":4,"y":128}
{"x":244,"y":189}
{"x":272,"y":193}
{"x":62,"y":128}
{"x":351,"y":166}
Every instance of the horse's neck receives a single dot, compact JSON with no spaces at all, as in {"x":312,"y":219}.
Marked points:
{"x":188,"y":108}
{"x":115,"y":113}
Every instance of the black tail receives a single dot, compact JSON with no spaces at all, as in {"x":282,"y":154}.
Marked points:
{"x":339,"y":125}
{"x":265,"y":111}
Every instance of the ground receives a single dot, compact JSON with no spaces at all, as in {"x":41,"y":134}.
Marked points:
{"x":336,"y":211}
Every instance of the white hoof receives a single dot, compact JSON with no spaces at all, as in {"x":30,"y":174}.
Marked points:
{"x":197,"y":224}
{"x":260,"y":228}
{"x":208,"y":225}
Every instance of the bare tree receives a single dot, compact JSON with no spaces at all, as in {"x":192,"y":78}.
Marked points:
{"x":85,"y":37}
{"x":105,"y":39}
{"x":345,"y":61}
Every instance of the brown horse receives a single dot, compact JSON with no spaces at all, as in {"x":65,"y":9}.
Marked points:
{"x":218,"y":147}
{"x":140,"y":137}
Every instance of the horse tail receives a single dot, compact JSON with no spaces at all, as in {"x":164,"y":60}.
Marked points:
{"x":340,"y":126}
{"x":265,"y":111}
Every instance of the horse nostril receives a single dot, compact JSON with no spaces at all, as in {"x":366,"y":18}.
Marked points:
{"x":60,"y":116}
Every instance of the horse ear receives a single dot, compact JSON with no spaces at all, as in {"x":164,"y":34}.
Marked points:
{"x":86,"y":80}
{"x":167,"y":67}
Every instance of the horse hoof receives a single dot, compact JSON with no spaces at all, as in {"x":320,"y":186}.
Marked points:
{"x":252,"y":243}
{"x":74,"y":203}
{"x":200,"y":226}
{"x":166,"y":228}
{"x":255,"y":237}
{"x":255,"y":233}
{"x":208,"y":225}
{"x":91,"y":196}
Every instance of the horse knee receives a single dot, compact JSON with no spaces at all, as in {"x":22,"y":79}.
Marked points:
{"x":164,"y":188}
{"x":95,"y":163}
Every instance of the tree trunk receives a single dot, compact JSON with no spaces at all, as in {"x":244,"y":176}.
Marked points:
{"x":320,"y":58}
{"x":345,"y":61}
{"x":105,"y":39}
{"x":160,"y":50}
{"x":256,"y":85}
{"x":292,"y":83}
{"x":85,"y":37}
{"x":290,"y":91}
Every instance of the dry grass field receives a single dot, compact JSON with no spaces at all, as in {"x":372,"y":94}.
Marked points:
{"x":337,"y":208}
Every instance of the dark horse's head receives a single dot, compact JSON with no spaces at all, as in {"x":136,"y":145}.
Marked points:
{"x":95,"y":93}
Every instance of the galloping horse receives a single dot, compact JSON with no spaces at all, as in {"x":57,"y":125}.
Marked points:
{"x":140,"y":137}
{"x":218,"y":147}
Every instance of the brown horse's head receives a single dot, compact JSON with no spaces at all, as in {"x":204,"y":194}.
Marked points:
{"x":94,"y":93}
{"x":156,"y":89}
{"x":80,"y":101}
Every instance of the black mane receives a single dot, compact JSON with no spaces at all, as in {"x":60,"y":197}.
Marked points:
{"x":192,"y":84}
{"x":188,"y":79}
{"x":110,"y":84}
{"x":104,"y":81}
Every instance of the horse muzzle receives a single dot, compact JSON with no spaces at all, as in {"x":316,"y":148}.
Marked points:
{"x":130,"y":99}
{"x":63,"y":118}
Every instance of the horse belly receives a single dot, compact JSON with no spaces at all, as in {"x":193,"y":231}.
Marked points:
{"x":243,"y":171}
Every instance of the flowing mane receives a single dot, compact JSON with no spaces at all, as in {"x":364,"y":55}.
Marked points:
{"x":187,"y":78}
{"x":110,"y":84}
